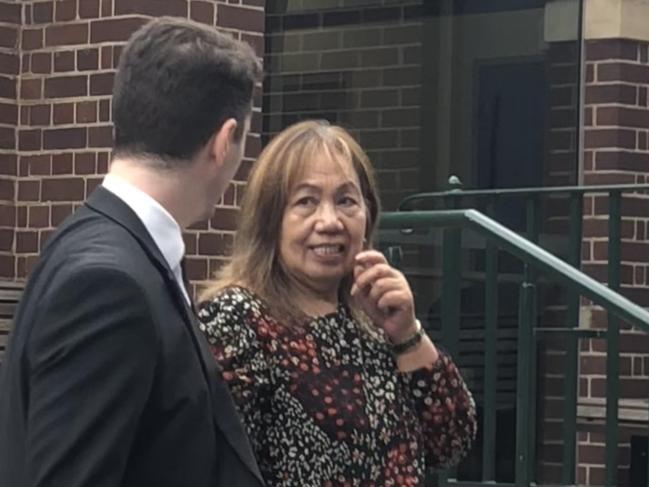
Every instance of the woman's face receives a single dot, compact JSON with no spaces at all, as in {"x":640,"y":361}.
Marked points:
{"x":323,"y":225}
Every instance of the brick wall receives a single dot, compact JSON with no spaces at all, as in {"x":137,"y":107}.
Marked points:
{"x":10,"y":22}
{"x":68,"y":52}
{"x":616,"y":151}
{"x":356,"y":66}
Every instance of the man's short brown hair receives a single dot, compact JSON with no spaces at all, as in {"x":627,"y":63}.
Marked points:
{"x":177,"y":83}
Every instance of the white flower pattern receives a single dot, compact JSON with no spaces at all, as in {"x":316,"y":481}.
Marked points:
{"x":325,"y":405}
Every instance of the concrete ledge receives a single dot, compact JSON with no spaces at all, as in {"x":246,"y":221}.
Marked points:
{"x":630,"y":410}
{"x":616,"y":19}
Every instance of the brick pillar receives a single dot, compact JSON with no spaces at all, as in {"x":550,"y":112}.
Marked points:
{"x":10,"y":20}
{"x":616,"y":151}
{"x":70,"y":49}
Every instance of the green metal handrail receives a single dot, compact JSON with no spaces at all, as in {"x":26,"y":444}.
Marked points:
{"x":456,"y":191}
{"x":525,"y":250}
{"x":457,"y":197}
{"x":538,"y":259}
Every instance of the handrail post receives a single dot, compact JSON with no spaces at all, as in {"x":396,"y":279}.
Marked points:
{"x":523,"y":384}
{"x":490,"y":360}
{"x":612,"y":344}
{"x":533,"y":219}
{"x":451,"y":278}
{"x":572,"y":350}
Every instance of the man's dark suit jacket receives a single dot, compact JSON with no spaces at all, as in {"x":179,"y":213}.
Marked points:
{"x":106,"y":379}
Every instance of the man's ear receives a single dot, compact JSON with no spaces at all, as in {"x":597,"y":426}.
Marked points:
{"x":222,"y":140}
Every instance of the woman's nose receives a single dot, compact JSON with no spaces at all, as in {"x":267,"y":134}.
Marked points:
{"x":328,"y":219}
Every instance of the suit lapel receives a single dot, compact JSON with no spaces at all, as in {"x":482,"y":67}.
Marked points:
{"x":225,"y":415}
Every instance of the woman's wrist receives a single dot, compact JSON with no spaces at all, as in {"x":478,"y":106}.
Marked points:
{"x":407,"y":340}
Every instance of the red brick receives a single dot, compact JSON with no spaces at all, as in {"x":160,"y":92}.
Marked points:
{"x":87,"y":59}
{"x":31,"y":89}
{"x":25,"y":63}
{"x":63,"y":189}
{"x":89,"y":9}
{"x":32,"y":39}
{"x":7,"y":88}
{"x":117,"y":52}
{"x":29,"y":140}
{"x":622,"y":160}
{"x":39,"y":217}
{"x":21,"y":214}
{"x":202,"y":12}
{"x":618,"y":138}
{"x":106,"y":57}
{"x":7,"y":216}
{"x":224,"y":219}
{"x":9,"y":63}
{"x":7,"y":266}
{"x":39,"y":115}
{"x":37,"y":165}
{"x":63,"y":61}
{"x":106,"y":8}
{"x":60,"y":213}
{"x":214,"y":244}
{"x":102,"y":162}
{"x":632,"y":73}
{"x":114,"y":29}
{"x":8,"y":113}
{"x":26,"y":242}
{"x":623,"y":117}
{"x":196,"y":269}
{"x":597,"y":50}
{"x":65,"y":9}
{"x":68,"y":138}
{"x":41,"y":63}
{"x":92,"y":184}
{"x":101,"y":84}
{"x":10,"y":13}
{"x":9,"y":164}
{"x":100,"y":136}
{"x":29,"y":190}
{"x":611,"y":93}
{"x":66,"y":86}
{"x":67,"y":34}
{"x":240,"y":18}
{"x":86,"y":111}
{"x":62,"y":163}
{"x":6,"y":239}
{"x":43,"y":12}
{"x":84,"y":163}
{"x":104,"y":111}
{"x":177,"y":8}
{"x":9,"y":37}
{"x":7,"y":189}
{"x":63,"y":113}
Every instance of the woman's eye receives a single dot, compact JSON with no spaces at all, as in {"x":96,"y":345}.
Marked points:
{"x":347,"y":201}
{"x":305,"y":201}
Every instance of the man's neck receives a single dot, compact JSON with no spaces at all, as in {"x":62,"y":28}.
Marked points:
{"x":163,"y":186}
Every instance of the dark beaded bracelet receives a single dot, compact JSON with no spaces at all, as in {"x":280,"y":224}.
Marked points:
{"x":410,"y":342}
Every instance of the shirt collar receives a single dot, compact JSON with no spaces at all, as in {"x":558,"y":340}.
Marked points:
{"x":162,"y":227}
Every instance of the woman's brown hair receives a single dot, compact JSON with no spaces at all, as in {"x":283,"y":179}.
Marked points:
{"x":254,"y":262}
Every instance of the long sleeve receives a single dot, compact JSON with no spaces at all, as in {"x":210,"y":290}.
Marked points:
{"x":232,"y":333}
{"x":446,"y":412}
{"x":92,"y":356}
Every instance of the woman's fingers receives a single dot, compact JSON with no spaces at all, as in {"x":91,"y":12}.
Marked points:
{"x":364,"y":277}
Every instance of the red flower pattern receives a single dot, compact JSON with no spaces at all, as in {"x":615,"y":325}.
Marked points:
{"x":326,"y":405}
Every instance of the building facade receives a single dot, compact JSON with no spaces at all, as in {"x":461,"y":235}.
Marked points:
{"x":501,"y":93}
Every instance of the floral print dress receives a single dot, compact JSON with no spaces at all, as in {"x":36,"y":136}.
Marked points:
{"x":325,"y":405}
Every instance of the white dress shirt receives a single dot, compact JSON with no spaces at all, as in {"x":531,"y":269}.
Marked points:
{"x":162,"y":227}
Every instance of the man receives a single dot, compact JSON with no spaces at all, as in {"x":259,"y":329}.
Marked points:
{"x":106,"y":380}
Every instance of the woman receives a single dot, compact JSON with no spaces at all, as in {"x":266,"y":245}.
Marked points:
{"x":316,"y":334}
